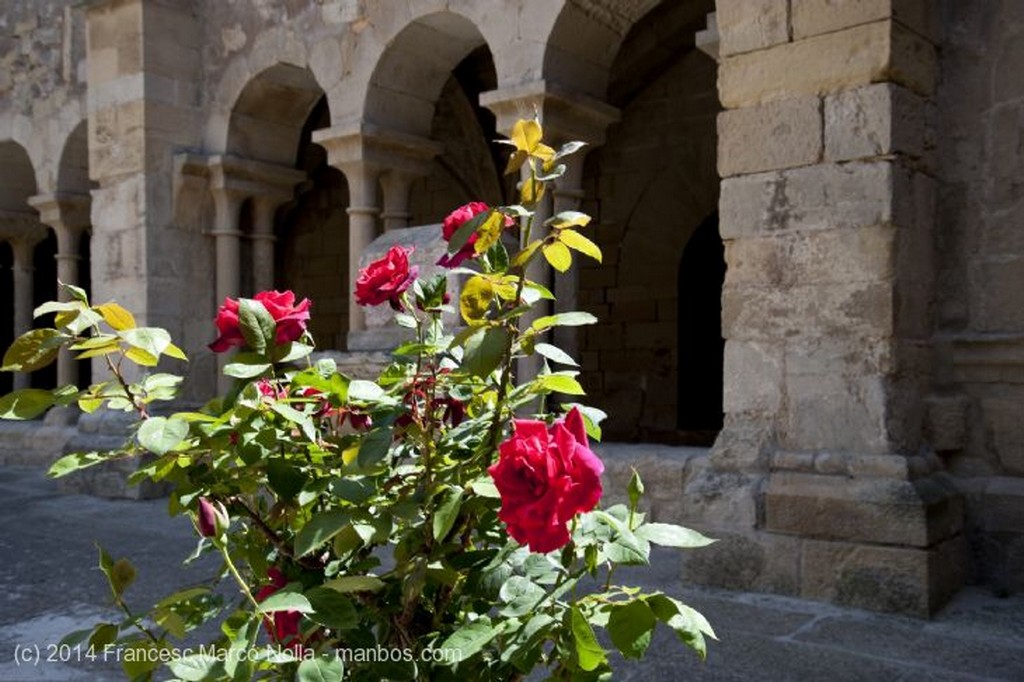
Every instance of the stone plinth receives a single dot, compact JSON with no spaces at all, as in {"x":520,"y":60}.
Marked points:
{"x":427,"y":241}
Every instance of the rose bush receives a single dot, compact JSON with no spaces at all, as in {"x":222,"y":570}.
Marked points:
{"x":413,"y":513}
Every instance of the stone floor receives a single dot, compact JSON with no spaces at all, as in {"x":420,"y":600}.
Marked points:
{"x":49,"y":586}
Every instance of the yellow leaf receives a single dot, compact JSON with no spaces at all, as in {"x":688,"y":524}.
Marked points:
{"x":505,"y":287}
{"x":531,"y":191}
{"x":489,"y":231}
{"x":569,"y":219}
{"x":558,"y":255}
{"x":525,"y":255}
{"x":140,"y":357}
{"x":116,"y":316}
{"x":350,"y":455}
{"x":515,"y":162}
{"x":97,"y":351}
{"x":526,"y":133}
{"x":175,"y":352}
{"x":575,"y":240}
{"x":476,"y":298}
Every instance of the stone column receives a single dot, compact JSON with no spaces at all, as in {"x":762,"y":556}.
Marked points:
{"x":366,"y":155}
{"x":395,"y":185}
{"x":263,"y":239}
{"x":826,"y":212}
{"x":22,"y":270}
{"x":68,"y":216}
{"x":227,"y":204}
{"x":567,"y":196}
{"x":566,"y":116}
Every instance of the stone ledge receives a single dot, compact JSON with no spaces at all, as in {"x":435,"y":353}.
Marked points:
{"x":663,"y":469}
{"x":884,"y":511}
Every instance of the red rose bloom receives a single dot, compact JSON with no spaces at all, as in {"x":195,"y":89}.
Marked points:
{"x":282,"y":626}
{"x":385,"y":279}
{"x":291,"y":319}
{"x":546,"y":477}
{"x":452,"y":223}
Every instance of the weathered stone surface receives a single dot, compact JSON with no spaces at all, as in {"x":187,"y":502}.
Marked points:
{"x":828,"y":63}
{"x":874,"y":120}
{"x":1003,"y":419}
{"x":753,"y":377}
{"x":744,"y":26}
{"x":813,"y":198}
{"x":888,"y":511}
{"x":772,"y":136}
{"x":946,"y":426}
{"x":904,"y":580}
{"x":812,"y":17}
{"x":664,"y":471}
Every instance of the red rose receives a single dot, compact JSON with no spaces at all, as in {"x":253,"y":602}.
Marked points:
{"x":452,"y":223}
{"x":385,"y":279}
{"x":290,"y":317}
{"x":546,"y":477}
{"x":282,"y":626}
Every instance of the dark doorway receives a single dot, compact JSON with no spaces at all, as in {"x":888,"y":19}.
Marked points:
{"x":701,"y":346}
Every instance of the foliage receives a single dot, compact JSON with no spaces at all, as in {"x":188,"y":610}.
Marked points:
{"x":364,"y":516}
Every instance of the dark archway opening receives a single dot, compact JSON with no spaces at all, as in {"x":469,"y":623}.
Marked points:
{"x":701,"y":346}
{"x":44,"y":288}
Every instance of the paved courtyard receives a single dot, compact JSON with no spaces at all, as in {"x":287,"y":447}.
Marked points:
{"x":49,"y":586}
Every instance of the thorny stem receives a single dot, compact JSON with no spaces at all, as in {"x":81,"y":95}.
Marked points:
{"x":237,"y":576}
{"x":280,"y":544}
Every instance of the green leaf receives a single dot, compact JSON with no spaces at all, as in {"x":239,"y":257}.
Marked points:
{"x":57,"y":307}
{"x":374,"y":447}
{"x":588,"y":651}
{"x":325,"y":669}
{"x":77,"y":293}
{"x":559,"y":383}
{"x":286,"y":601}
{"x":573,"y":319}
{"x":355,"y":583}
{"x":446,"y":513}
{"x":689,"y":624}
{"x":671,"y":535}
{"x":364,"y":391}
{"x":630,"y":626}
{"x":32,"y":350}
{"x":160,"y":435}
{"x":244,"y":370}
{"x":635,"y":489}
{"x":102,"y":635}
{"x":469,"y":639}
{"x":256,"y":324}
{"x":575,"y":240}
{"x":555,"y":354}
{"x":318,"y":530}
{"x":122,"y":575}
{"x":484,"y":487}
{"x":152,"y":340}
{"x":489,"y":231}
{"x":332,"y":609}
{"x":461,"y":235}
{"x":25,"y":403}
{"x":484,"y":351}
{"x":78,"y":460}
{"x":196,"y":667}
{"x":284,"y":479}
{"x":520,"y":595}
{"x":557,"y":254}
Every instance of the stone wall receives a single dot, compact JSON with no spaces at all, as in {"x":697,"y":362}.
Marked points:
{"x":979,"y":400}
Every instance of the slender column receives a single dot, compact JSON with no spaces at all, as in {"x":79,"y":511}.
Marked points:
{"x":538,"y":271}
{"x":22,"y":270}
{"x":396,"y":185}
{"x":227,"y":207}
{"x":264,"y":208}
{"x":362,"y":227}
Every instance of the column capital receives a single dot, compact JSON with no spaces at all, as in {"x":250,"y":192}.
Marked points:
{"x":63,"y":210}
{"x":252,"y":178}
{"x":367,"y":147}
{"x":21,"y":227}
{"x":565,"y":115}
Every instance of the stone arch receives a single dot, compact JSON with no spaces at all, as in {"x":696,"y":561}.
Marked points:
{"x":651,"y":185}
{"x":73,"y":168}
{"x":585,"y":40}
{"x":412,"y":71}
{"x":19,"y":177}
{"x":6,"y":309}
{"x":267,"y":118}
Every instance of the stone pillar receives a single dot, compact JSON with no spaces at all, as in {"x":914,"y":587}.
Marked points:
{"x":395,"y":186}
{"x":264,"y":208}
{"x":227,"y":236}
{"x":68,"y":216}
{"x":567,"y":196}
{"x":22,"y":270}
{"x":565,"y":117}
{"x":363,"y":153}
{"x":821,"y":470}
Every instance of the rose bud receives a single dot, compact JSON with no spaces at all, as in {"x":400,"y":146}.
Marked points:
{"x":213,"y":518}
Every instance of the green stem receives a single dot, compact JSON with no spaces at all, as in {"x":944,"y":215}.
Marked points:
{"x":236,"y":575}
